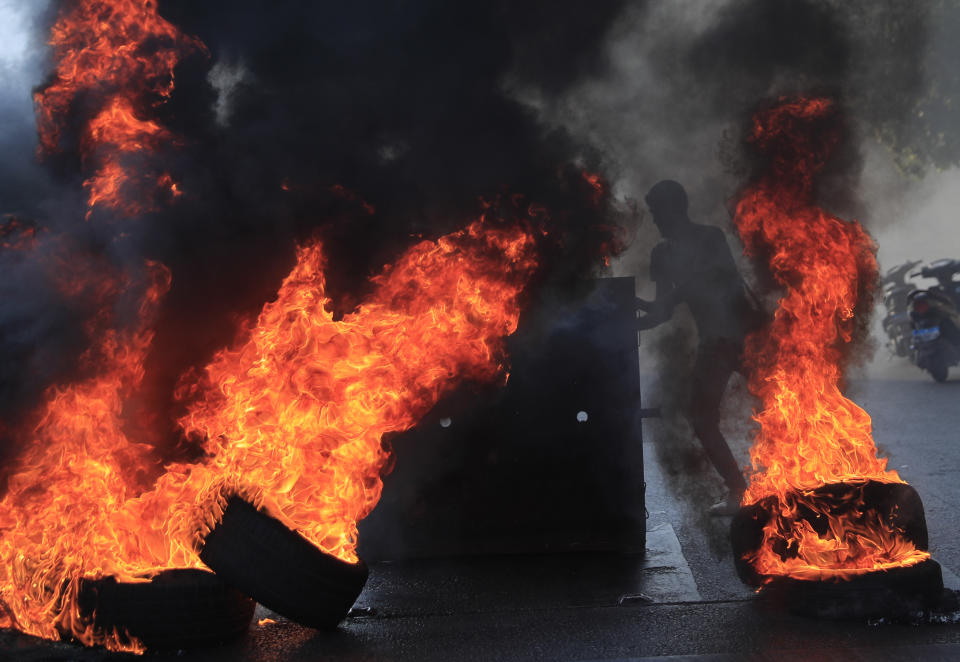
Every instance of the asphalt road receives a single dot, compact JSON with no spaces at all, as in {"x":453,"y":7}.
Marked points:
{"x":916,"y":424}
{"x":609,"y":607}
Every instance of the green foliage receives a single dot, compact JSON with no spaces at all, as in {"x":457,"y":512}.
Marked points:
{"x":910,"y":84}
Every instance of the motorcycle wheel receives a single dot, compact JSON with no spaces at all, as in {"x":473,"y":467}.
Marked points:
{"x":939,"y":372}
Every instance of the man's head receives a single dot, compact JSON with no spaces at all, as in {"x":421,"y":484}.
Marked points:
{"x":668,"y":203}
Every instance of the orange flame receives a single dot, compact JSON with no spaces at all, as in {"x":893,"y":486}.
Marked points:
{"x":123,"y":53}
{"x":810,"y":434}
{"x":76,"y":470}
{"x":293,"y":420}
{"x":294,"y":417}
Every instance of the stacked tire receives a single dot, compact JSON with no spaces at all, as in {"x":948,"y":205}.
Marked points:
{"x":251,"y":554}
{"x":281,"y":569}
{"x":177,"y":609}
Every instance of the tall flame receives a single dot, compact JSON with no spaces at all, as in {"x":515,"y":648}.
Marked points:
{"x":810,"y":434}
{"x":119,"y":55}
{"x":293,"y":418}
{"x":76,"y":469}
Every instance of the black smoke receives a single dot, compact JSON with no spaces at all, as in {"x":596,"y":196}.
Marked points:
{"x":370,"y":125}
{"x":373,"y":124}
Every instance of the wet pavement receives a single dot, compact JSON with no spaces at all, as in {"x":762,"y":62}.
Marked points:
{"x":681,"y":601}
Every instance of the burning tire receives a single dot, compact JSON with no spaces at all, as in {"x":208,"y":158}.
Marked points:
{"x":895,"y":592}
{"x":280,"y":569}
{"x":898,"y":593}
{"x":177,"y":609}
{"x":896,"y":505}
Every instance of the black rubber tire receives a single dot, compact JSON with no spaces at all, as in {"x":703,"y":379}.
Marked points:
{"x":897,"y":504}
{"x":939,"y":372}
{"x":280,"y":569}
{"x":896,"y":594}
{"x":178,"y":609}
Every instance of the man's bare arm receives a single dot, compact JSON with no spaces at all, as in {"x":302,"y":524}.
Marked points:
{"x":659,"y":310}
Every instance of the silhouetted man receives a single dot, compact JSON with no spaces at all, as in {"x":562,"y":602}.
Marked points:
{"x":693,"y":265}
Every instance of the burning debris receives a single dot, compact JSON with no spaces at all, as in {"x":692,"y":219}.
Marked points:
{"x":821,"y":507}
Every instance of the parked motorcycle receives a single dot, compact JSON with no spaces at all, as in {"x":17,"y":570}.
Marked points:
{"x":896,"y":321}
{"x":935,"y":319}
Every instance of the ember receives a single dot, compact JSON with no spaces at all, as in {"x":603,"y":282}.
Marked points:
{"x":810,"y":434}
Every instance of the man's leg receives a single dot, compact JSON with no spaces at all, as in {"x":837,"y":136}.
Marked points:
{"x":710,"y":376}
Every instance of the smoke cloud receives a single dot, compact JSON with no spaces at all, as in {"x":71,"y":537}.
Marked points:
{"x":369,"y":126}
{"x":683,"y":80}
{"x":375,"y":123}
